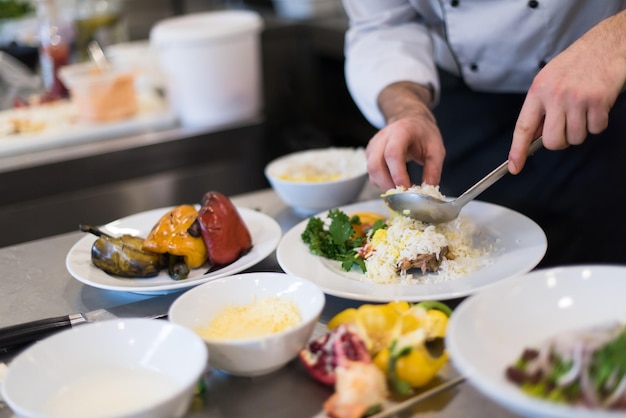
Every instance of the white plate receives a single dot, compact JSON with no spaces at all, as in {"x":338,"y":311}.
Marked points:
{"x":489,"y":330}
{"x":265,"y":233}
{"x":521,"y":242}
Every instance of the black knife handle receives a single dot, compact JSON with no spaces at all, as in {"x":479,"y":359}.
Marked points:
{"x":32,"y":331}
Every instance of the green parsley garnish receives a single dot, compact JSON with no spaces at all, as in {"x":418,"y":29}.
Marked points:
{"x":338,"y":241}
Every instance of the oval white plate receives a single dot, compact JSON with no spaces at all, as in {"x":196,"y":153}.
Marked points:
{"x":521,"y":242}
{"x":488,"y":331}
{"x":265,"y":233}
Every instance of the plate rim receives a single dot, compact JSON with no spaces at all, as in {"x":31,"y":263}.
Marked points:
{"x":286,"y":264}
{"x":269,"y":224}
{"x":509,"y":397}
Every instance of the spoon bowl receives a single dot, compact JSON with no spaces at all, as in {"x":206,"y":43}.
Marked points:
{"x":435,"y":211}
{"x":423,"y":207}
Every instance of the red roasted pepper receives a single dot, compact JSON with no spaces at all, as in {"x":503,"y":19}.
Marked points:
{"x":225,"y":234}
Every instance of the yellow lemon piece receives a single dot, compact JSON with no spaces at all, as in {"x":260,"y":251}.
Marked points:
{"x":380,"y":325}
{"x":344,"y":317}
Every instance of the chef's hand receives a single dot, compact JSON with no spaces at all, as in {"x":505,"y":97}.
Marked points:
{"x":573,"y":94}
{"x":411,"y":134}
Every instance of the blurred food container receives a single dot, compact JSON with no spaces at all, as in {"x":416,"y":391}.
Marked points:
{"x":141,"y":57}
{"x":212,"y":65}
{"x":307,"y":9}
{"x":100,"y":96}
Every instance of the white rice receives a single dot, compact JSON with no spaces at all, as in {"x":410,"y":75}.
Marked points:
{"x":427,"y":189}
{"x":407,"y":238}
{"x":320,"y":165}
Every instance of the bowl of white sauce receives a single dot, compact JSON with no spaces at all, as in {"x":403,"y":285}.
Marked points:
{"x":126,"y":368}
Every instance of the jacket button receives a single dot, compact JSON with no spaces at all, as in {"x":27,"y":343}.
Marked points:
{"x":474,"y":67}
{"x":454,"y":3}
{"x":533,"y":4}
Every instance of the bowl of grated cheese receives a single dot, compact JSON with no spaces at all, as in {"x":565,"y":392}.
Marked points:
{"x":253,"y":323}
{"x":315,"y":180}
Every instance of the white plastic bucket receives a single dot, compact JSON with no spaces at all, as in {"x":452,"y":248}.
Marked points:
{"x":212,"y":65}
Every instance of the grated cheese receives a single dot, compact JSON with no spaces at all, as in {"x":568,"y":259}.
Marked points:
{"x":263,"y":317}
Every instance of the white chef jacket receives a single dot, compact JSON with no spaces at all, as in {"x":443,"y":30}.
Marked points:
{"x":494,"y":45}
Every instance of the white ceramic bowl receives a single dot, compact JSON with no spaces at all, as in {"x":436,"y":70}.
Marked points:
{"x":290,"y":177}
{"x":256,"y":356}
{"x":127,"y":368}
{"x":489,"y":331}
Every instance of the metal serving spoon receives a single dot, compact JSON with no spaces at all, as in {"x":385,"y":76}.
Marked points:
{"x":432,"y":210}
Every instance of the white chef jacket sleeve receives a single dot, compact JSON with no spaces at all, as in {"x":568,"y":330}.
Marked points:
{"x":385,"y":43}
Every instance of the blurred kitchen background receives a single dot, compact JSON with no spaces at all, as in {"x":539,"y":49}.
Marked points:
{"x":48,"y":188}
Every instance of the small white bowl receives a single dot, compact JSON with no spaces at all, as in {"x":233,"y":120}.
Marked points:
{"x":127,"y":368}
{"x":488,"y":331}
{"x":290,"y":176}
{"x":255,"y":356}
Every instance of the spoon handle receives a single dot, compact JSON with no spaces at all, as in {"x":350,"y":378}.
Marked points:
{"x":97,"y":55}
{"x":471,"y":193}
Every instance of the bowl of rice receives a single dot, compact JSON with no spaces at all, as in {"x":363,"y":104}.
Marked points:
{"x":315,"y":180}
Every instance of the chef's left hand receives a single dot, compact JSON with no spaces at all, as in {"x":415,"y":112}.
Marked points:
{"x":573,"y":94}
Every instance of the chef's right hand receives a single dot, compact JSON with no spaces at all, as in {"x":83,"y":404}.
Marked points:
{"x":411,"y":134}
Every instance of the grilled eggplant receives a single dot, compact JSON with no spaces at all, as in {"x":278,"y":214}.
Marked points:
{"x":123,"y":256}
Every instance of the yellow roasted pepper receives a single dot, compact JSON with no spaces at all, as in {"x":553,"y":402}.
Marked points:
{"x":409,"y":366}
{"x":395,"y":334}
{"x":381,"y":323}
{"x":171,"y":235}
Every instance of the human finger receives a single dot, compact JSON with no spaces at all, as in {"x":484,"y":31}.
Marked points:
{"x":576,"y":126}
{"x":377,"y":169}
{"x":554,"y":130}
{"x":433,"y":164}
{"x":597,"y":119}
{"x":395,"y":159}
{"x":529,"y":121}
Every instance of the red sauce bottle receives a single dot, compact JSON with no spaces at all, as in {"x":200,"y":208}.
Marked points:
{"x":55,"y":47}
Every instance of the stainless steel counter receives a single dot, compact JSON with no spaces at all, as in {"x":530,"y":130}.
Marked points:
{"x":35,"y":284}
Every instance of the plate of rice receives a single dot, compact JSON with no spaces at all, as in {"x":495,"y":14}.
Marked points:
{"x":486,"y":244}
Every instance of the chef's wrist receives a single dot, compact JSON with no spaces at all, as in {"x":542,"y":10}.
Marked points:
{"x":405,"y":99}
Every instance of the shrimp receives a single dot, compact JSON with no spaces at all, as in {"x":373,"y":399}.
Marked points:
{"x":360,"y":388}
